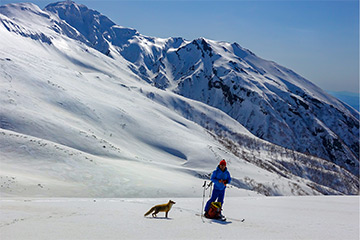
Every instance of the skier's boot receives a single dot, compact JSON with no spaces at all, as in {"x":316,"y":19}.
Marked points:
{"x":221,"y":217}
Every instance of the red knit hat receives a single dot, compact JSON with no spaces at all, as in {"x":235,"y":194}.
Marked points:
{"x":223,"y":162}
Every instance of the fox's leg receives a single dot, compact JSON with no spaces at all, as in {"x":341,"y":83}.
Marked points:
{"x":166,"y":214}
{"x":156,"y":212}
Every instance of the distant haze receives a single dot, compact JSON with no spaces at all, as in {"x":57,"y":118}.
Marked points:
{"x":347,"y":97}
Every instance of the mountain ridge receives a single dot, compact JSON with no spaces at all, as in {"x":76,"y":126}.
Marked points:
{"x":61,"y":106}
{"x":231,"y":75}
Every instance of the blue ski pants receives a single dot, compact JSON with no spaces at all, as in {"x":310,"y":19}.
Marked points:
{"x":216,"y":195}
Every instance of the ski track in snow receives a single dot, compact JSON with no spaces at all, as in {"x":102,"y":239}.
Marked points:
{"x":315,"y":217}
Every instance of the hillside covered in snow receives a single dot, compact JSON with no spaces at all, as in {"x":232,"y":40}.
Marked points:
{"x":271,"y":101}
{"x":93,"y":109}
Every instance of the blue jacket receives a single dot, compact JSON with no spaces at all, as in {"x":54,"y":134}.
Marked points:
{"x":220,"y":175}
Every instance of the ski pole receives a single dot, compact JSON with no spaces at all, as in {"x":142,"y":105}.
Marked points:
{"x":202,"y":206}
{"x":210,"y":184}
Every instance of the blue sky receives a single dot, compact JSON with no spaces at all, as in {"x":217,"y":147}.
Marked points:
{"x":317,"y":39}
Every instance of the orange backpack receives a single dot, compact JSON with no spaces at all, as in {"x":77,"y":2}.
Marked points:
{"x":214,"y":210}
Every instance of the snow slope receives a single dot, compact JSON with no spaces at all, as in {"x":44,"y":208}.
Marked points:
{"x":77,"y":123}
{"x":271,"y":101}
{"x":87,"y":147}
{"x":265,"y":218}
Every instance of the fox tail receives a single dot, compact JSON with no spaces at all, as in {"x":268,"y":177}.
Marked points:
{"x":150,"y":211}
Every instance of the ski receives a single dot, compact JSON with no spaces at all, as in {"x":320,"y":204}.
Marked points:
{"x":220,"y":220}
{"x":210,"y":219}
{"x":237,"y":220}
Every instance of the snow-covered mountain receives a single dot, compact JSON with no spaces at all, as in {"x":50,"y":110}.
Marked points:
{"x":271,"y":101}
{"x":90,"y":108}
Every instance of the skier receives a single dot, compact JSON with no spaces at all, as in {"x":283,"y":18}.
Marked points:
{"x":220,"y":177}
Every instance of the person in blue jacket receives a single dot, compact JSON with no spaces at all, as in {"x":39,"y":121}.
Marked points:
{"x":220,"y":177}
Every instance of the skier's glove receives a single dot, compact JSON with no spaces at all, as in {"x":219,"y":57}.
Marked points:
{"x":223,"y":182}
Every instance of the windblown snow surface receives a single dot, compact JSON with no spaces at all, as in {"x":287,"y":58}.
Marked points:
{"x":87,"y":147}
{"x":311,"y":217}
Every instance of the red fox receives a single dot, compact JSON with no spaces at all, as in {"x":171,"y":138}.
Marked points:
{"x":160,"y":208}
